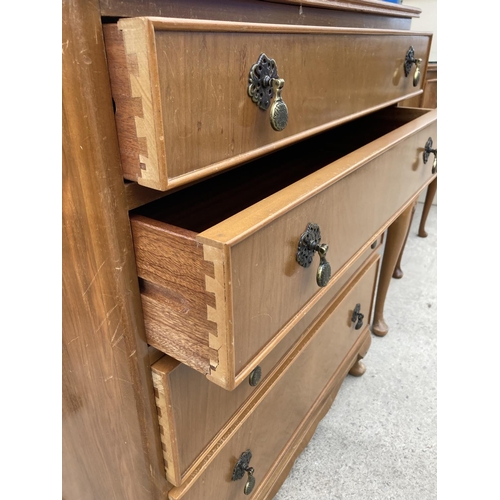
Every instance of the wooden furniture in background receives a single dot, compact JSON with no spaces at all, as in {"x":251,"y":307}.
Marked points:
{"x":429,"y":197}
{"x":427,"y":100}
{"x":230,"y":298}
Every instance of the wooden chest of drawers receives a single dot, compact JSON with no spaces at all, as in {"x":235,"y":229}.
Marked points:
{"x":243,"y":264}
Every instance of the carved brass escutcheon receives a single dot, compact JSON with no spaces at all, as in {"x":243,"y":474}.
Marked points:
{"x":427,"y":151}
{"x":309,"y":243}
{"x":409,"y":61}
{"x":242,"y":466}
{"x":264,"y":84}
{"x":357,"y":317}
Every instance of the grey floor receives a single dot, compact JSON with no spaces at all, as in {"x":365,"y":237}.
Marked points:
{"x":379,"y":439}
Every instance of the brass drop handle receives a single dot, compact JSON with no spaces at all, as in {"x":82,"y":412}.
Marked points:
{"x":410,"y":59}
{"x":243,"y":466}
{"x":264,"y":84}
{"x":309,"y":243}
{"x":357,"y":317}
{"x":427,"y":151}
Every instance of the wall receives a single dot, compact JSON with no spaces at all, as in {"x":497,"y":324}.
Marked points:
{"x":426,"y":22}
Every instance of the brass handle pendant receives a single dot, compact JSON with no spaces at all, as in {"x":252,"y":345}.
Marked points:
{"x":357,"y":317}
{"x":264,"y":84}
{"x":409,"y":61}
{"x":242,"y":466}
{"x":427,"y":151}
{"x":309,"y":243}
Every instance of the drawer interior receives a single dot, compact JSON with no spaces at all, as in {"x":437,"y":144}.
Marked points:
{"x":200,"y":206}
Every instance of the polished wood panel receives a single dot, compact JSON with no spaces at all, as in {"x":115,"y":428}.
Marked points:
{"x":386,"y":173}
{"x":185,"y":397}
{"x":301,"y":437}
{"x":262,"y":425}
{"x":110,"y":443}
{"x":186,"y":287}
{"x":257,"y":11}
{"x":181,"y":122}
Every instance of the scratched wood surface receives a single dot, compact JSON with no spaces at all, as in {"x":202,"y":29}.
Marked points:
{"x":188,"y":397}
{"x":266,"y":423}
{"x":110,"y":443}
{"x":179,"y":121}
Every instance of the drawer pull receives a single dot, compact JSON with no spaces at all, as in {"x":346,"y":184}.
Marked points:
{"x":308,"y":244}
{"x":357,"y":317}
{"x":427,"y":151}
{"x":242,"y":466}
{"x":264,"y":84}
{"x":255,"y":376}
{"x":409,"y":61}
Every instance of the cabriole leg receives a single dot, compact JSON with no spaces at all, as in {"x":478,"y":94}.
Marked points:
{"x":396,"y":235}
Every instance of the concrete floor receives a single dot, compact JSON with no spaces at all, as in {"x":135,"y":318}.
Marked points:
{"x":379,"y":439}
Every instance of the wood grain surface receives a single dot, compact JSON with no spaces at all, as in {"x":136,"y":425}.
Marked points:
{"x":385,"y":174}
{"x":257,"y":11}
{"x":210,"y":123}
{"x":190,"y":398}
{"x":385,"y":184}
{"x":111,"y":447}
{"x":262,"y":425}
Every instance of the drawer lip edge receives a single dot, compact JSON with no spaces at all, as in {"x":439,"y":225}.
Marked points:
{"x":181,"y":24}
{"x":221,"y":234}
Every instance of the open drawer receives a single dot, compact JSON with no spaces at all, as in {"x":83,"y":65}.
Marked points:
{"x":221,"y":284}
{"x":195,"y":97}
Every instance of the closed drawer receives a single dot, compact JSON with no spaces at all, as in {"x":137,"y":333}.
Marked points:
{"x":180,"y":87}
{"x":269,"y":420}
{"x":185,"y":398}
{"x":220,"y":282}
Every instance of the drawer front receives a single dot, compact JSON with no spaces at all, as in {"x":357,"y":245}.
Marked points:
{"x":268,"y":422}
{"x":180,"y":87}
{"x":240,"y":280}
{"x":184,"y":397}
{"x":349,"y":214}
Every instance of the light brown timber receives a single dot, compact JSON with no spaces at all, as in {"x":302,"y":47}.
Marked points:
{"x":170,"y":138}
{"x":189,"y":397}
{"x":297,"y":385}
{"x":394,"y":242}
{"x":429,"y":197}
{"x":386,"y":174}
{"x":398,"y":272}
{"x":110,"y":443}
{"x":376,"y":7}
{"x":351,"y":14}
